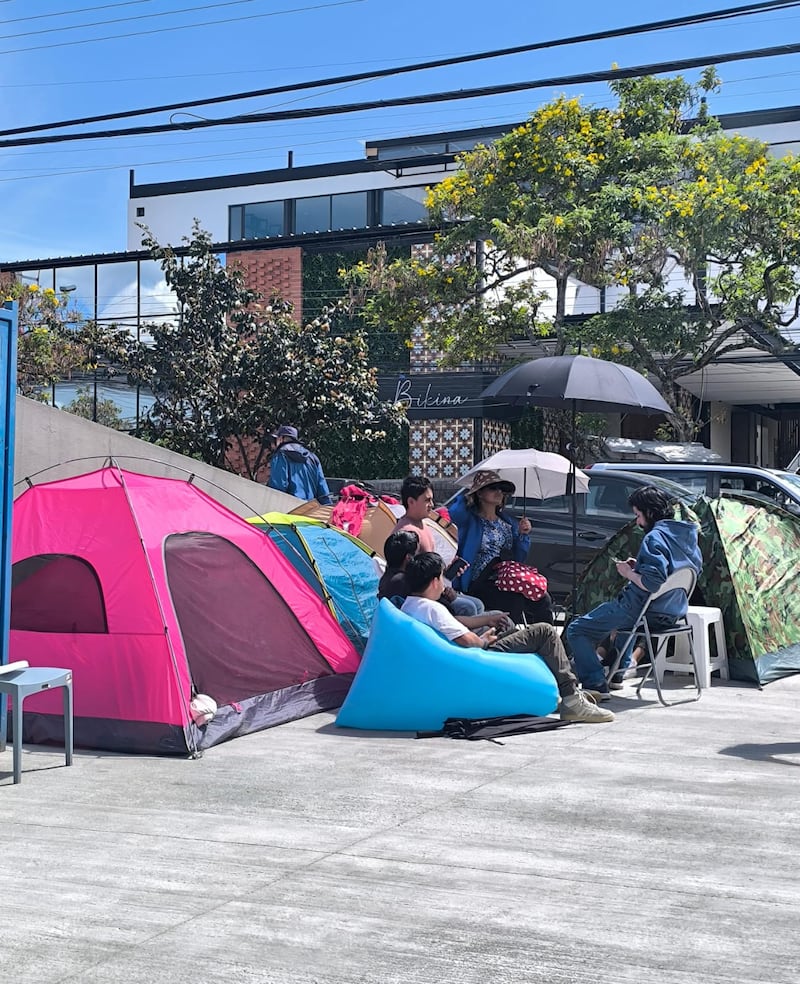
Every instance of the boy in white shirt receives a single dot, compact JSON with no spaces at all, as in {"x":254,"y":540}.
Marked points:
{"x":424,"y":574}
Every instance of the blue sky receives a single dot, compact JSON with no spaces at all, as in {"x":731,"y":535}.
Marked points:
{"x":70,"y":199}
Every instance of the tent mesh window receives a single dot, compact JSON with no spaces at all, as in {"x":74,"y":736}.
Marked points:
{"x":240,"y":635}
{"x":56,"y":593}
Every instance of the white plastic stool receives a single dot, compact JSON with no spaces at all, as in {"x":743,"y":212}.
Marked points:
{"x":701,"y":620}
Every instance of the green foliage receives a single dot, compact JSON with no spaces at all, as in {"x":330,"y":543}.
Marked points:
{"x":53,"y":342}
{"x":323,"y":290}
{"x":103,"y":411}
{"x":702,"y":230}
{"x":232,"y":367}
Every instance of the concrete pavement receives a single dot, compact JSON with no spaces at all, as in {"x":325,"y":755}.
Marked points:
{"x":659,"y":848}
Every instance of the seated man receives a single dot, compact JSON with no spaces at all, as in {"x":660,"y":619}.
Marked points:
{"x":398,"y":550}
{"x":424,"y":574}
{"x":668,"y":545}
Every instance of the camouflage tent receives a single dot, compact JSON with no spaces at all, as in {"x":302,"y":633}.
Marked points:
{"x":751,"y":571}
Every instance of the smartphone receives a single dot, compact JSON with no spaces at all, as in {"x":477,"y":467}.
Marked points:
{"x":457,"y":566}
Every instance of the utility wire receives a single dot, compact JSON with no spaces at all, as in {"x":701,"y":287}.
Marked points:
{"x":77,"y":10}
{"x":650,"y":27}
{"x":123,"y":20}
{"x":638,"y":71}
{"x":181,"y":27}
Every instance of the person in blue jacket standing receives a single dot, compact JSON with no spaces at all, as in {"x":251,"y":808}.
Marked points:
{"x":668,"y":545}
{"x":486,"y":534}
{"x":296,"y":470}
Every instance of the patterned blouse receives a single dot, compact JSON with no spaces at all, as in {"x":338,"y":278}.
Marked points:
{"x":496,"y":536}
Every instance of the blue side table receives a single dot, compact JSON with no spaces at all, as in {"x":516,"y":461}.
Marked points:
{"x":18,"y":681}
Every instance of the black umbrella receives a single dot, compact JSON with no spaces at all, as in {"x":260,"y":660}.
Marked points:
{"x":577,"y":382}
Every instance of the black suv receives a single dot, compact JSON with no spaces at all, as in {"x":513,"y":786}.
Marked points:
{"x":600,"y":514}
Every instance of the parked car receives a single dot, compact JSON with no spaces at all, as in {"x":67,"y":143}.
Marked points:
{"x":714,"y":479}
{"x":625,"y":449}
{"x":600,"y":514}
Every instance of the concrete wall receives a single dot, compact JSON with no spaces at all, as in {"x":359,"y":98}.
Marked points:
{"x":46,"y":437}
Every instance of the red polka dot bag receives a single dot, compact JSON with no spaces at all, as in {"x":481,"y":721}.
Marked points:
{"x":511,"y":575}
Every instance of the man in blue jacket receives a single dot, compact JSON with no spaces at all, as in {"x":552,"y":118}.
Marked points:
{"x":296,"y":470}
{"x":668,"y":545}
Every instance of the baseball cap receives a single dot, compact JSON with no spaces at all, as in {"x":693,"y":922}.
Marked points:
{"x":286,"y":431}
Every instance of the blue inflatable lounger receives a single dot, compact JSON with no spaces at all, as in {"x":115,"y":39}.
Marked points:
{"x":413,"y":679}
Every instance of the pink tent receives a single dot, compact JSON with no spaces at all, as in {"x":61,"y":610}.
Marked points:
{"x":152,"y":592}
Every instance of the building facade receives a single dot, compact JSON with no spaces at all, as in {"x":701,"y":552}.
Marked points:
{"x":271,"y":222}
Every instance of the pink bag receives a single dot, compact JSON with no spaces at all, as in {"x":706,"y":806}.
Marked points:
{"x":511,"y":575}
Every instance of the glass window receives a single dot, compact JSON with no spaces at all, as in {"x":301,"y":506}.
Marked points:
{"x":312,"y":214}
{"x":403,"y":205}
{"x":696,"y":481}
{"x":78,"y":283}
{"x":349,"y":211}
{"x":609,"y":497}
{"x":116,"y":294}
{"x":235,"y":223}
{"x":263,"y":219}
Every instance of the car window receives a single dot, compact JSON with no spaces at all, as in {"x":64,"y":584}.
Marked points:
{"x":696,"y":481}
{"x":556,"y":503}
{"x":608,"y":496}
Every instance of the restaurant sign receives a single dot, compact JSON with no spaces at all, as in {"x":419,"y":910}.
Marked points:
{"x":427,"y":396}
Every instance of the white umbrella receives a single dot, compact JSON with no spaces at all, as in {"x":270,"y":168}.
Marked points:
{"x":535,"y":474}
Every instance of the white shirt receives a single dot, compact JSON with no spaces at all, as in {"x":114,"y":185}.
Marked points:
{"x":434,"y":614}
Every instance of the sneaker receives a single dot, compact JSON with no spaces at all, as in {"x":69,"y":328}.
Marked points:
{"x":576,"y":707}
{"x":597,"y":695}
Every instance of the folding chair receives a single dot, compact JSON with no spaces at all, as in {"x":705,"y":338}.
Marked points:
{"x":683,"y":580}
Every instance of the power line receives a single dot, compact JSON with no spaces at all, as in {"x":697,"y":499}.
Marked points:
{"x":182,"y":27}
{"x":123,"y":20}
{"x":78,"y":10}
{"x":606,"y":75}
{"x":650,"y":27}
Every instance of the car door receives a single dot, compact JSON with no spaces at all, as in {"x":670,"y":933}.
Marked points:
{"x":600,"y":513}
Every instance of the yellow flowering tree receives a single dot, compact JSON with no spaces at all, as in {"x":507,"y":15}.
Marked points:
{"x":47,"y":351}
{"x":693,"y":232}
{"x":53,"y":341}
{"x":712,"y":266}
{"x":551,"y":197}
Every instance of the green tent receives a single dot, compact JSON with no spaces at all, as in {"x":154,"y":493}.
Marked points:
{"x":751,"y":572}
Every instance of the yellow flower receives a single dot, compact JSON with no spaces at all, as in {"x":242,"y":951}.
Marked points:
{"x":33,"y":288}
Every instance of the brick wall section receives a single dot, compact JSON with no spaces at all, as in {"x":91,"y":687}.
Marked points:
{"x":235,"y":462}
{"x":274,"y":271}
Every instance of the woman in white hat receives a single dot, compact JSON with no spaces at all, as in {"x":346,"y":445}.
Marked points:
{"x":488,"y":534}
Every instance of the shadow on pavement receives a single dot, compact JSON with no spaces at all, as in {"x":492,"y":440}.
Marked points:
{"x":776,"y":752}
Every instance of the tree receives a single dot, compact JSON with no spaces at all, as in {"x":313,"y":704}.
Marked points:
{"x":54,"y":343}
{"x":103,"y":411}
{"x":697,"y":228}
{"x":47,"y":350}
{"x":714,"y":265}
{"x":232,"y":366}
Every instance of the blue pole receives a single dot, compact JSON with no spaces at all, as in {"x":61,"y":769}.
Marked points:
{"x":8,"y":405}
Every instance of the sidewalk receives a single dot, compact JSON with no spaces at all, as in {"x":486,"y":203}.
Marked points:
{"x":661,"y":848}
